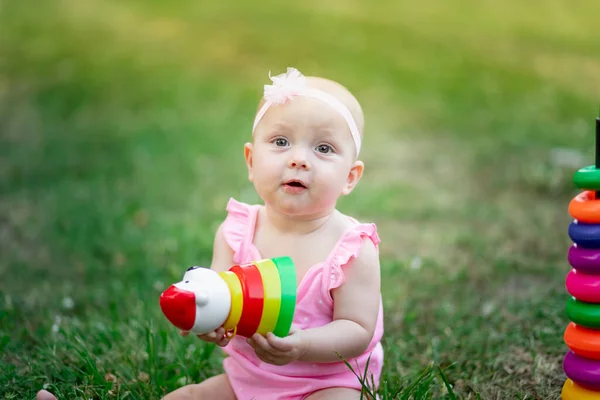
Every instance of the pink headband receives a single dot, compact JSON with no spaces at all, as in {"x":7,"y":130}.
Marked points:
{"x":293,"y":83}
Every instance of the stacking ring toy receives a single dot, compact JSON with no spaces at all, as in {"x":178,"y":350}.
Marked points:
{"x":254,"y":292}
{"x":583,"y":314}
{"x":237,"y":300}
{"x":585,"y":235}
{"x":573,"y":391}
{"x":584,"y":371}
{"x":272,"y":296}
{"x":583,"y":341}
{"x":585,"y":208}
{"x":587,"y":178}
{"x":584,"y":260}
{"x":583,"y":287}
{"x":582,"y":335}
{"x":287,"y":276}
{"x":257,"y":297}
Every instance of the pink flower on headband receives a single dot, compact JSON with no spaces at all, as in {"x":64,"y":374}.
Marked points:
{"x":285,"y":86}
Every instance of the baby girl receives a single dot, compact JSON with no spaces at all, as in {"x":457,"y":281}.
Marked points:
{"x":303,"y":156}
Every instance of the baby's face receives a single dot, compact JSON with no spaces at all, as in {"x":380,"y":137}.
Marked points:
{"x":302,"y":158}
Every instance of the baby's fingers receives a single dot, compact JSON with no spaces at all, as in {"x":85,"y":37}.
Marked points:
{"x":258,"y":341}
{"x":183,"y":333}
{"x":281,"y":344}
{"x":214,"y":336}
{"x":224,"y":341}
{"x":210,"y":336}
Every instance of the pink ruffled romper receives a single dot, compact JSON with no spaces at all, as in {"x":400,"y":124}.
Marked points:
{"x":252,"y":378}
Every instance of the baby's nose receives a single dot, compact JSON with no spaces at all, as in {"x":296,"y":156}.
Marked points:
{"x":298,"y":164}
{"x":298,"y":161}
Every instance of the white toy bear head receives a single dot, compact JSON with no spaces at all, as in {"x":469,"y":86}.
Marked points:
{"x":199,"y":303}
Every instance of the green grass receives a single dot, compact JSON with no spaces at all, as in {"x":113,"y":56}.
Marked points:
{"x":121,"y":132}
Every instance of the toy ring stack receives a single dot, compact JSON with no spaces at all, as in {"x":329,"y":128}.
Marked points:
{"x":269,"y":296}
{"x":258,"y":297}
{"x":581,"y":364}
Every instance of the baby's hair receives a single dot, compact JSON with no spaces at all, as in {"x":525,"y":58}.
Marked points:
{"x":344,"y":95}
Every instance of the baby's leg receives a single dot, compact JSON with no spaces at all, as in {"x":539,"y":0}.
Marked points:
{"x":44,"y":395}
{"x":217,"y":387}
{"x":336,"y":393}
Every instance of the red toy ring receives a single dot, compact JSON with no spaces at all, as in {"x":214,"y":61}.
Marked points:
{"x":252,"y":287}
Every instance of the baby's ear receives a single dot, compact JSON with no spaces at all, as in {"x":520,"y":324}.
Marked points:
{"x":354,"y":176}
{"x":248,"y":157}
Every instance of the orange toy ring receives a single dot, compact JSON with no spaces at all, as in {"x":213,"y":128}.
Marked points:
{"x":585,"y":208}
{"x":583,"y":341}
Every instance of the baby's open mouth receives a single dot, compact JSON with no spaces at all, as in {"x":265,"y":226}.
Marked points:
{"x":295,"y":183}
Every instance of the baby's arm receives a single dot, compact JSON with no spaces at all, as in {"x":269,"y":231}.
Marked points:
{"x":222,"y":260}
{"x":356,"y":307}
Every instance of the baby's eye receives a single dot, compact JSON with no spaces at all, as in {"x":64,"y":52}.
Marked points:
{"x":280,"y":142}
{"x":324,"y":148}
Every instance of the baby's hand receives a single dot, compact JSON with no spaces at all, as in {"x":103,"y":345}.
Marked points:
{"x":278,"y":351}
{"x":219,"y":337}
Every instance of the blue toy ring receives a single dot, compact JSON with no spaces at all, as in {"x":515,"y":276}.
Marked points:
{"x":585,"y":235}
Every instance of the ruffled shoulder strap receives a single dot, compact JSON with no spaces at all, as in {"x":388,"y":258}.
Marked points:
{"x":238,"y":227}
{"x":347,"y":248}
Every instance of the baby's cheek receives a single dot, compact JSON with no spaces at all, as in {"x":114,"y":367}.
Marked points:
{"x":265,"y":175}
{"x":331,"y":190}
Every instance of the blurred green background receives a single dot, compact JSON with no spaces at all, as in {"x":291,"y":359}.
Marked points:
{"x":121,"y":133}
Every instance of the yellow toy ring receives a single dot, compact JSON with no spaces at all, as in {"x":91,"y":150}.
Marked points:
{"x":572,"y":391}
{"x":272,"y":299}
{"x":237,"y":300}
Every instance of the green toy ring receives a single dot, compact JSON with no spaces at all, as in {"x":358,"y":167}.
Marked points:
{"x":584,"y":314}
{"x":587,"y":178}
{"x":287,"y":275}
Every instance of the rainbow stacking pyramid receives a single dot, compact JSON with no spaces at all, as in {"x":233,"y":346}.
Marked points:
{"x":255,"y":297}
{"x":582,"y":362}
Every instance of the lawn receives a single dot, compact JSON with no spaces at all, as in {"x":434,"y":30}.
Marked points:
{"x":121,"y":133}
